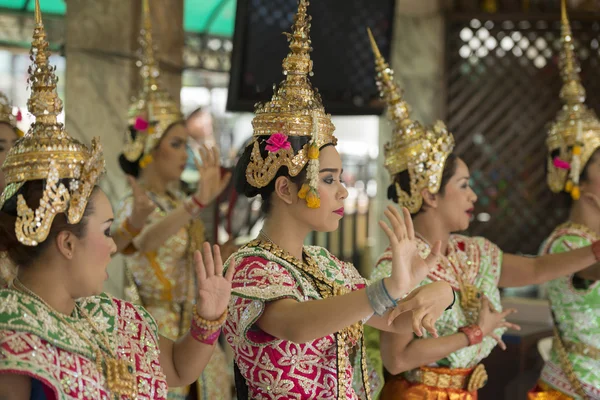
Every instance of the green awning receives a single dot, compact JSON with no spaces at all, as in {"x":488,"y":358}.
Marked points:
{"x":48,"y":6}
{"x":215,"y":17}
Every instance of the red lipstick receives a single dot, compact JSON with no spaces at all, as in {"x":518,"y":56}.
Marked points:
{"x":340,"y":212}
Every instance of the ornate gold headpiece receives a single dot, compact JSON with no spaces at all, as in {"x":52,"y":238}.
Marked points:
{"x":7,"y":115}
{"x":420,"y":150}
{"x":295,"y":109}
{"x":48,"y":153}
{"x":575,"y":132}
{"x":153,"y":110}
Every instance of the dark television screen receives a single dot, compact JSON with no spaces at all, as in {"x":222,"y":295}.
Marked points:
{"x":343,"y":63}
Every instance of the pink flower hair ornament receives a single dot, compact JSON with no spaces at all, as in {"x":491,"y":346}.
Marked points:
{"x":277,"y":141}
{"x":140,"y":124}
{"x":560,"y":164}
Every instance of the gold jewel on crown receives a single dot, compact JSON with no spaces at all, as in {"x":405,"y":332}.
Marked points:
{"x":575,"y":133}
{"x":295,"y":109}
{"x":420,"y":150}
{"x":153,"y":103}
{"x":48,"y":153}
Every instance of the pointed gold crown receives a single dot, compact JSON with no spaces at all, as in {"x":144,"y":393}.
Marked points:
{"x":6,"y":114}
{"x":420,"y":150}
{"x":295,"y":109}
{"x":153,"y":104}
{"x":575,"y":132}
{"x":48,"y":153}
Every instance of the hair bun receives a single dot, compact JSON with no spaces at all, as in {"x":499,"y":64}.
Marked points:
{"x":130,"y":168}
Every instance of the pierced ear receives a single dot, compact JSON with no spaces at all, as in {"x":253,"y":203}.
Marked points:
{"x":429,"y":199}
{"x":65,"y":242}
{"x":286,"y":190}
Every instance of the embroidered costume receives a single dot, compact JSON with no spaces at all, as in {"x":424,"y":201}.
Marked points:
{"x":472,"y":266}
{"x":35,"y":342}
{"x":575,"y":305}
{"x":280,"y":369}
{"x":163,"y":280}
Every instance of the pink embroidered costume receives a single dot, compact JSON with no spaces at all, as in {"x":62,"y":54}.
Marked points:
{"x":35,"y":342}
{"x":280,"y":369}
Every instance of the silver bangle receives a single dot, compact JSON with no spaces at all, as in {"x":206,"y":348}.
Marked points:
{"x":379,"y":299}
{"x":387,"y":294}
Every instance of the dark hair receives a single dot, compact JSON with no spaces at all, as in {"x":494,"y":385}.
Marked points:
{"x":239,"y":176}
{"x":403,"y":180}
{"x":32,"y":192}
{"x":133,"y":168}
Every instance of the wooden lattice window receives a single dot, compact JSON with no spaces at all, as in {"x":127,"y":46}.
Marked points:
{"x":502,"y":90}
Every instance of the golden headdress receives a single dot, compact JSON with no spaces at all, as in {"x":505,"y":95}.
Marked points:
{"x":420,"y":150}
{"x":7,"y":115}
{"x":575,"y":133}
{"x":295,"y":109}
{"x":153,"y":110}
{"x":48,"y":153}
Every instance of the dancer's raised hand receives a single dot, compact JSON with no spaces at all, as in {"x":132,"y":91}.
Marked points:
{"x":214,"y":288}
{"x":212,"y":182}
{"x":408,"y":268}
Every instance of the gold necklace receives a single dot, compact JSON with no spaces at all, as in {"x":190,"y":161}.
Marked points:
{"x":119,"y":373}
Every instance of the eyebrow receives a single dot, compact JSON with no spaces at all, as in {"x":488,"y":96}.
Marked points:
{"x":331,"y":170}
{"x":2,"y":140}
{"x":109,"y":220}
{"x":464,"y":177}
